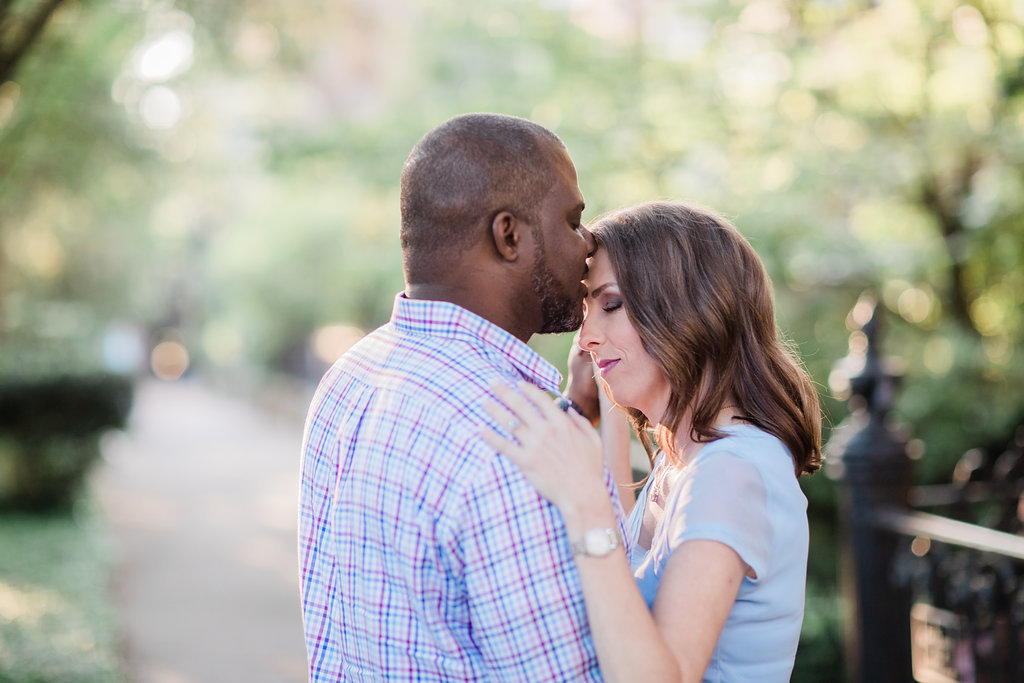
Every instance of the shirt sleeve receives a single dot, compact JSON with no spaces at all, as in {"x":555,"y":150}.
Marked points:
{"x":722,"y":497}
{"x":526,"y":609}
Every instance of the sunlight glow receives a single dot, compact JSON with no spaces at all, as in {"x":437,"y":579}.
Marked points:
{"x":37,"y":250}
{"x":9,"y":94}
{"x":835,"y":130}
{"x":257,"y":43}
{"x":168,"y":56}
{"x":797,"y":105}
{"x":750,"y":73}
{"x":160,"y":108}
{"x":861,"y":313}
{"x":969,"y":26}
{"x":777,"y":172}
{"x":27,"y":605}
{"x":998,"y":349}
{"x":914,"y":305}
{"x":765,"y":16}
{"x":987,"y":312}
{"x":680,"y":38}
{"x":979,"y":117}
{"x":938,"y":356}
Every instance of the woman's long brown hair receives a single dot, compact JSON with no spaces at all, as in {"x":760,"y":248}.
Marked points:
{"x":702,"y":303}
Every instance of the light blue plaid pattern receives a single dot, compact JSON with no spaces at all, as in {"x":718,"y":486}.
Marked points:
{"x":424,"y":555}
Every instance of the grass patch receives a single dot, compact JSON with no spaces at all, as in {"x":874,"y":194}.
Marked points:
{"x":57,"y":620}
{"x":820,"y":655}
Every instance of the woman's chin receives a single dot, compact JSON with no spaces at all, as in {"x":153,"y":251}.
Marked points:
{"x":627,"y":404}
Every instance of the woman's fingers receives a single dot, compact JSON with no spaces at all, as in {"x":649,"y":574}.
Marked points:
{"x":579,"y":421}
{"x":551,"y":411}
{"x":520,"y":405}
{"x":509,"y":449}
{"x":541,"y":402}
{"x":533,"y":419}
{"x":506,"y":418}
{"x":548,"y":445}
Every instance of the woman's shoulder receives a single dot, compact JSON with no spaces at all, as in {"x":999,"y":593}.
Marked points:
{"x":751,"y":444}
{"x":748,"y":453}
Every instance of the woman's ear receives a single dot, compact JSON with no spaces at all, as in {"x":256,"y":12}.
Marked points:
{"x":505,"y":234}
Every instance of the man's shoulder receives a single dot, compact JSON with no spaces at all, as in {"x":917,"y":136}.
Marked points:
{"x":418,"y":392}
{"x":427,"y":368}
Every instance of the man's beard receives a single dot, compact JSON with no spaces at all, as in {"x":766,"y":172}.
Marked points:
{"x":561,"y":312}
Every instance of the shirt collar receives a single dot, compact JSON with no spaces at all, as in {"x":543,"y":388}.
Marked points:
{"x":445,"y":319}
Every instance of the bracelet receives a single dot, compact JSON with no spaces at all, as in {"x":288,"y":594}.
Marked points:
{"x":564,"y":402}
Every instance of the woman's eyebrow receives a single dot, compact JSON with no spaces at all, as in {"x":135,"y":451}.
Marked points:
{"x":597,"y":290}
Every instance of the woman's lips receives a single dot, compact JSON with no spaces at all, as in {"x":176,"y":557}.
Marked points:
{"x":605,"y":365}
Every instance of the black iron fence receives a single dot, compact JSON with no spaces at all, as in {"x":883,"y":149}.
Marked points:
{"x":934,"y":596}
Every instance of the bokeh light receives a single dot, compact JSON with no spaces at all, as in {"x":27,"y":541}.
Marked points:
{"x":330,"y":341}
{"x":169,"y":360}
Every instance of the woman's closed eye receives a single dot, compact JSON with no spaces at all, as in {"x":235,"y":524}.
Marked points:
{"x":612,"y":305}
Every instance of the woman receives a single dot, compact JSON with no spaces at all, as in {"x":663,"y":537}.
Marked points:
{"x":680,"y":325}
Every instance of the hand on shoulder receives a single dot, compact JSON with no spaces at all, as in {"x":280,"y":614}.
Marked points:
{"x":558,"y":452}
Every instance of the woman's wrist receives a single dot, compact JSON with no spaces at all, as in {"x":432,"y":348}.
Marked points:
{"x":585,"y":403}
{"x":581,"y":516}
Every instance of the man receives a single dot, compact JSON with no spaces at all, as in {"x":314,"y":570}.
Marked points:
{"x":425,"y":555}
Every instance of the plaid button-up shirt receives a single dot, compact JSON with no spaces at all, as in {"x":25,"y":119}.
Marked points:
{"x":424,"y":555}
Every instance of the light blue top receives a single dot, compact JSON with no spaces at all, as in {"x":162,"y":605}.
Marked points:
{"x":741,"y":491}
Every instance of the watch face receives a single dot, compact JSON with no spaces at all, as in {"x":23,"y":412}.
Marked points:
{"x":597,"y":542}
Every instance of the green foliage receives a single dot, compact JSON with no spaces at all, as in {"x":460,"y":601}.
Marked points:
{"x":73,"y":405}
{"x":56,"y":619}
{"x":56,"y":401}
{"x":858,"y":145}
{"x":49,"y":435}
{"x":983,"y":412}
{"x":70,"y":180}
{"x":819,"y":656}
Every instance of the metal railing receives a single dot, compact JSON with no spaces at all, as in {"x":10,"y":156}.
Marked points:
{"x":927,"y":597}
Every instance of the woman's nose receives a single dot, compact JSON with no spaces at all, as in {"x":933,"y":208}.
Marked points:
{"x":588,"y":239}
{"x":588,"y":333}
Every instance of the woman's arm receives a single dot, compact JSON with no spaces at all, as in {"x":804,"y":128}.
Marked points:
{"x":561,"y":455}
{"x":615,"y":431}
{"x":584,"y":390}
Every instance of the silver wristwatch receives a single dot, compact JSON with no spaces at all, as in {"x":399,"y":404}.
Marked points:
{"x":597,"y":543}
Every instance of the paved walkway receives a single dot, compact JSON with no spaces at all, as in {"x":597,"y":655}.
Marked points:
{"x":201,"y":494}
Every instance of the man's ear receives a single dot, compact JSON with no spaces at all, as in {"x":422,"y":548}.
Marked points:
{"x":505,"y":232}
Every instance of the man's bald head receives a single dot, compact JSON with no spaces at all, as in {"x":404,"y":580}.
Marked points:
{"x":460,"y":176}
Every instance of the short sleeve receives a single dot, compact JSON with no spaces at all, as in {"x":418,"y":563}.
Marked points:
{"x":722,"y":497}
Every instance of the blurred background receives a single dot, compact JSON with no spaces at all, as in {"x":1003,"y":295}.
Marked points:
{"x":199,"y":209}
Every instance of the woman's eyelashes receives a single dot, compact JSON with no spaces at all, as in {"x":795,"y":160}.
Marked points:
{"x":611,"y":305}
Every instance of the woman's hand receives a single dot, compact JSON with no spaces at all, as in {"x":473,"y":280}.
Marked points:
{"x":581,"y":386}
{"x":558,"y":452}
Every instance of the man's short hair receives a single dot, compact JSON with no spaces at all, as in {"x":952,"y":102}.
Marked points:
{"x":463,"y":173}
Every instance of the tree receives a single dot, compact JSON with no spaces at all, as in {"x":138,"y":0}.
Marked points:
{"x":21,"y":24}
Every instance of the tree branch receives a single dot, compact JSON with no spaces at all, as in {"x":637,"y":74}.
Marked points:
{"x":10,"y":57}
{"x":954,"y":235}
